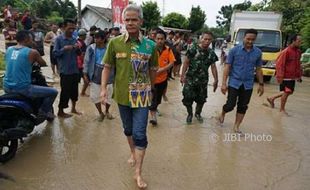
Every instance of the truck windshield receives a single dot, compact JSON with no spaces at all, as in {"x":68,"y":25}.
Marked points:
{"x":267,"y":40}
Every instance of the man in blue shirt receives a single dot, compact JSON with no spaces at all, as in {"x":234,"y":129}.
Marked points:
{"x":19,"y":60}
{"x":66,"y":51}
{"x":93,"y":67}
{"x":242,"y":61}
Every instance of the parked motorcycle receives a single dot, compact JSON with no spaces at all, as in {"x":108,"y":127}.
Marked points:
{"x":18,"y":117}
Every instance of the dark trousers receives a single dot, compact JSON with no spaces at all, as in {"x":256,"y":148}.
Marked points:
{"x":158,"y":94}
{"x":242,"y":95}
{"x":69,"y":89}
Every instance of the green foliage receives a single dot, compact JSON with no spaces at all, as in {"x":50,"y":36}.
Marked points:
{"x":293,"y":15}
{"x":55,"y":18}
{"x":151,"y":14}
{"x":44,"y":8}
{"x":197,"y":19}
{"x":225,"y":16}
{"x":305,"y":33}
{"x":21,"y":5}
{"x":175,"y":20}
{"x":219,"y":32}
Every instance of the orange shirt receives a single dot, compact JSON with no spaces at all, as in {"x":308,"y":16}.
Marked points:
{"x":164,"y":58}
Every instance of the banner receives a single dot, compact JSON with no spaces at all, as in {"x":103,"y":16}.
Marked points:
{"x":117,"y":10}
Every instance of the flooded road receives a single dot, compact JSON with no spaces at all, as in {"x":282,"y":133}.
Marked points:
{"x":80,"y":153}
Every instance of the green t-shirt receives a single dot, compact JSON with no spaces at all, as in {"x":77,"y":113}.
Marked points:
{"x":132,"y":61}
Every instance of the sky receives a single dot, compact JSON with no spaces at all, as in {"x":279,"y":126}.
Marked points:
{"x":211,"y":7}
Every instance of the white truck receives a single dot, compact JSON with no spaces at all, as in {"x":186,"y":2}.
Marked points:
{"x":269,"y":38}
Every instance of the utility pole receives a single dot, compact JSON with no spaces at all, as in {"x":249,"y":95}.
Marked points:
{"x":163,"y":10}
{"x":79,"y":13}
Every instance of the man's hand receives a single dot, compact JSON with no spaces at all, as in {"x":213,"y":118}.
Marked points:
{"x":260,"y":90}
{"x":104,"y":95}
{"x":182,"y":80}
{"x":215,"y":85}
{"x":224,"y":89}
{"x":68,"y":47}
{"x":280,"y":80}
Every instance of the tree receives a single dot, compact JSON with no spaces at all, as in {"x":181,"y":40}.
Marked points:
{"x":224,"y":20}
{"x":44,"y":8}
{"x":259,"y":6}
{"x":151,"y":15}
{"x":197,"y":19}
{"x":55,"y":18}
{"x":293,"y":15}
{"x":175,"y":20}
{"x":21,"y":5}
{"x":305,"y":29}
{"x":226,"y":12}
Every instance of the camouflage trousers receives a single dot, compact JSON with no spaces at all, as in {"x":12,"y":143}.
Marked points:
{"x":195,"y":93}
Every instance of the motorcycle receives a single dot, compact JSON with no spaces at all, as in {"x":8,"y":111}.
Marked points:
{"x":18,"y":117}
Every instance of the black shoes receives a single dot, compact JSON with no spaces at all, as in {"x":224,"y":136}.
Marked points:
{"x":189,"y":118}
{"x":199,"y":118}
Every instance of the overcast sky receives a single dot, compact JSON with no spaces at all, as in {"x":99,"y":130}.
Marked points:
{"x":211,"y":7}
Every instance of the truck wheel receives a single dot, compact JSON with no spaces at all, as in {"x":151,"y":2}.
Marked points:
{"x":8,"y":150}
{"x":267,"y":78}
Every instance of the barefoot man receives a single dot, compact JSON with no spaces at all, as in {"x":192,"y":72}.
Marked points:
{"x":66,"y":52}
{"x":240,"y":65}
{"x":135,"y":60}
{"x":288,"y":71}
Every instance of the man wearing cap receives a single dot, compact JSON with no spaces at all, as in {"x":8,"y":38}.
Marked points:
{"x":93,"y":67}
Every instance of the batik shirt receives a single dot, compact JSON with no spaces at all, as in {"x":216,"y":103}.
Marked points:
{"x":133,"y":59}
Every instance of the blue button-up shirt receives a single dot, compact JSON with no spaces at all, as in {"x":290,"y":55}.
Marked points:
{"x":67,"y":60}
{"x":243,"y":64}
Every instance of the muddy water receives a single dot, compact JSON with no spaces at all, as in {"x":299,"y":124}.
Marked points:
{"x":80,"y":153}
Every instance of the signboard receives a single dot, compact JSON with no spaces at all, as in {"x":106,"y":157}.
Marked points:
{"x":117,"y":10}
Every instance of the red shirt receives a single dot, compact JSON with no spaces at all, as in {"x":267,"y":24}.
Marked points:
{"x":80,"y":58}
{"x":288,"y":64}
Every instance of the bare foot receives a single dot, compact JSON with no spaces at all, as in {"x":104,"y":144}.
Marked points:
{"x":271,"y":102}
{"x":64,"y":115}
{"x":140,"y":182}
{"x":165,"y":98}
{"x":84,"y":95}
{"x":283,"y":112}
{"x":240,"y":133}
{"x":220,"y":118}
{"x":109,"y":116}
{"x":131,"y":161}
{"x":76,"y":112}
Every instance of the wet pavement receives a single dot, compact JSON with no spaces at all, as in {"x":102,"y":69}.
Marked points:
{"x":80,"y":153}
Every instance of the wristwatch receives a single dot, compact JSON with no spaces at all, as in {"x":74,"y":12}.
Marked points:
{"x":261,"y":84}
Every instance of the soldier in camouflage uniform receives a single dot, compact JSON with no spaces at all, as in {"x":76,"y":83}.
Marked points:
{"x":195,"y":76}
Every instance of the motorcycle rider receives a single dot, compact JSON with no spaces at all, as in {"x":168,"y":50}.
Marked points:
{"x":19,"y":60}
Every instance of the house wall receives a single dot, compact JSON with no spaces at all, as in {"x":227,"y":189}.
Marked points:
{"x":90,"y":18}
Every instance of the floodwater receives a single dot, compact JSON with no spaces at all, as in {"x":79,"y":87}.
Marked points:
{"x":80,"y":153}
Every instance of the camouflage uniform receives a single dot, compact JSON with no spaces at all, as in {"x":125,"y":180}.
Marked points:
{"x":197,"y":77}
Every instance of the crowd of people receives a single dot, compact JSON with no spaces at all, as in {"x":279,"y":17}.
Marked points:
{"x":135,"y":69}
